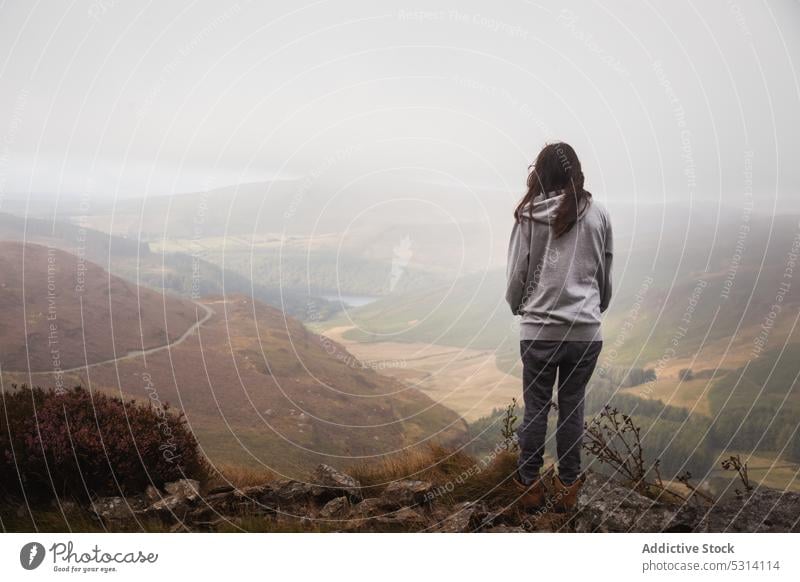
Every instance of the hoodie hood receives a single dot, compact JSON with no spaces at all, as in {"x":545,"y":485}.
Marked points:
{"x":542,"y":208}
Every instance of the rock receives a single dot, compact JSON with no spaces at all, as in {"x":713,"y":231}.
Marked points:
{"x":65,"y":505}
{"x":339,"y":507}
{"x":368,"y":508}
{"x":465,"y":517}
{"x":761,"y":510}
{"x":329,"y":483}
{"x":221,"y":489}
{"x":287,"y":493}
{"x":255,"y":499}
{"x":546,"y":522}
{"x":222,"y":499}
{"x":152,"y":494}
{"x":263,"y":492}
{"x":112,"y":508}
{"x":212,"y":525}
{"x":201,"y":515}
{"x":402,"y":520}
{"x":186,"y":489}
{"x":227,"y":502}
{"x":505,"y":529}
{"x":169,"y":507}
{"x":405,"y":493}
{"x":604,"y":505}
{"x":607,"y":506}
{"x":179,"y":501}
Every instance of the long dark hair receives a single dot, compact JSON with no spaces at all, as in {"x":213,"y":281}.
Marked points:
{"x":557,"y":169}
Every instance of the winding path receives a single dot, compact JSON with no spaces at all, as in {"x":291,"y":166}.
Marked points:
{"x":138,"y":353}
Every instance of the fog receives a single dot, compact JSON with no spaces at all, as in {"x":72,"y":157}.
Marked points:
{"x":668,"y":101}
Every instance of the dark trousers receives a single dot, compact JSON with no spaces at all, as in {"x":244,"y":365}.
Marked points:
{"x":541,"y":360}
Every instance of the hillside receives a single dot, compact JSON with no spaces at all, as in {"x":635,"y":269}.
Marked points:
{"x":96,"y":246}
{"x":167,"y":270}
{"x":256,"y":386}
{"x":58,"y":312}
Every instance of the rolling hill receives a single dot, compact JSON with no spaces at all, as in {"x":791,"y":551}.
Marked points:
{"x":255,"y":385}
{"x":657,"y":301}
{"x":59,"y":311}
{"x":167,"y":271}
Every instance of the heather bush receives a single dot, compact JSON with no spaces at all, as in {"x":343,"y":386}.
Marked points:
{"x":78,"y":443}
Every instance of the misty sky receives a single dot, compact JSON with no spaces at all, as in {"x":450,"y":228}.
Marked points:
{"x":662,"y":100}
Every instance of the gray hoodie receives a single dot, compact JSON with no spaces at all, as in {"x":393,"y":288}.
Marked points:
{"x":560,"y":286}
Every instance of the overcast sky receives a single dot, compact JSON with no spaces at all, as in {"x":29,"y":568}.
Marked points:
{"x":662,"y":100}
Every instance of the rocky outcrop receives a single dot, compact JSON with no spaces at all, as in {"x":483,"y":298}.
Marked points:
{"x":405,"y":493}
{"x":761,"y":510}
{"x":111,"y":509}
{"x":334,"y":501}
{"x":336,"y":508}
{"x":607,"y":506}
{"x":464,"y":517}
{"x":332,"y":483}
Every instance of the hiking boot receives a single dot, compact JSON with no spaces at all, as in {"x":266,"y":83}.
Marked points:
{"x":565,"y":497}
{"x":531,"y":496}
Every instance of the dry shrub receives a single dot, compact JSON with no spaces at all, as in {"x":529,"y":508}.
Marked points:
{"x":77,"y":443}
{"x":491,"y":481}
{"x":455,"y":475}
{"x":240,"y":476}
{"x":734,"y":463}
{"x":433,"y":463}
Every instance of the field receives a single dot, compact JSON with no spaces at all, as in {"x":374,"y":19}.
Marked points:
{"x":316,"y":265}
{"x":466,"y":380}
{"x":766,"y":468}
{"x":691,"y":394}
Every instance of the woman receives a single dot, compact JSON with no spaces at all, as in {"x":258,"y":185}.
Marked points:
{"x":559,"y":281}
